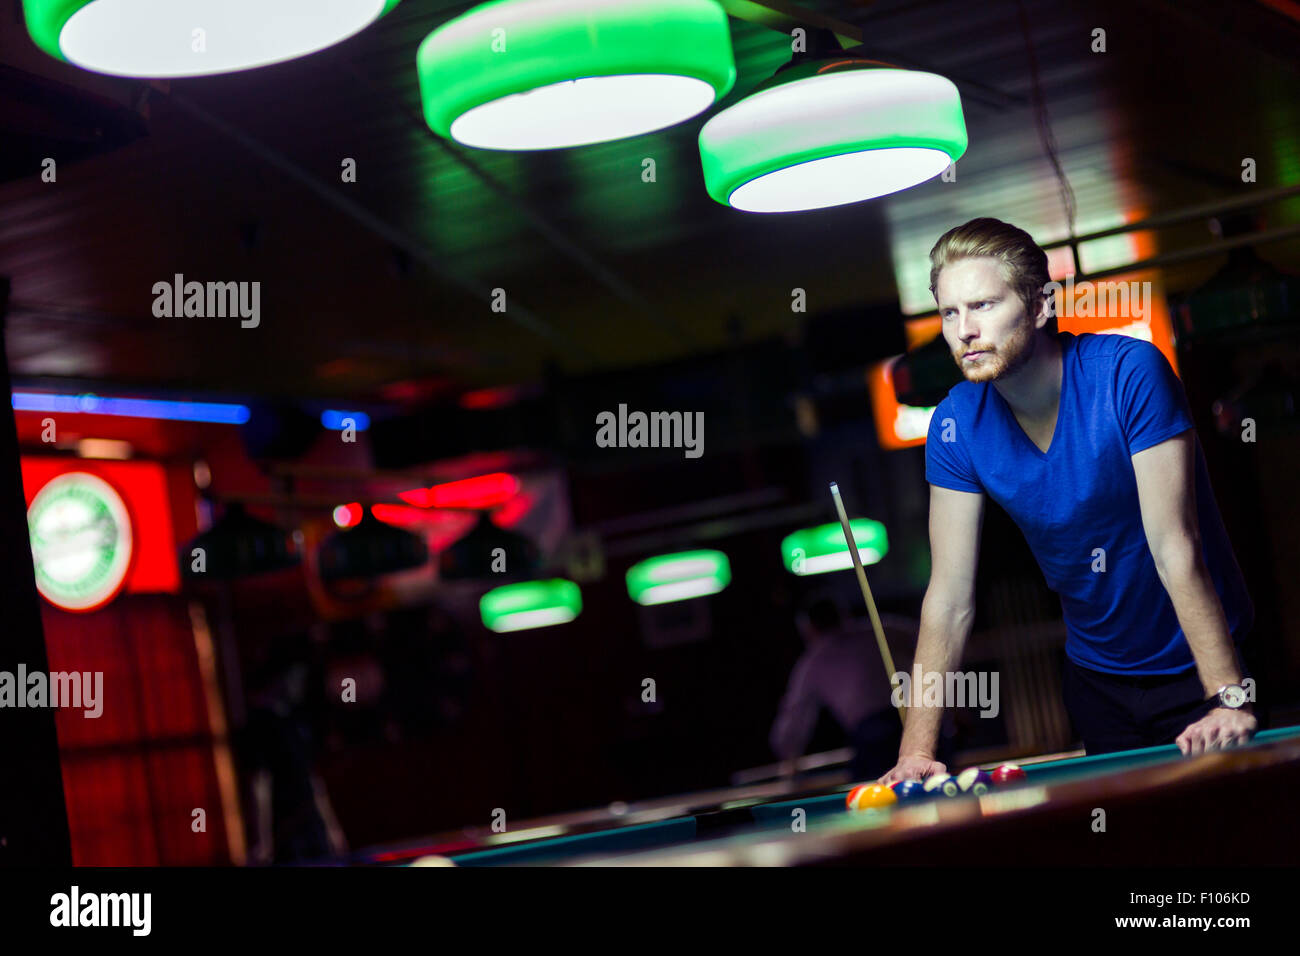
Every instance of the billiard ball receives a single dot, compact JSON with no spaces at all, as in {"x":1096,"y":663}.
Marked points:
{"x":869,"y":795}
{"x":909,"y":791}
{"x":974,"y":780}
{"x":1007,"y":773}
{"x":941,"y":784}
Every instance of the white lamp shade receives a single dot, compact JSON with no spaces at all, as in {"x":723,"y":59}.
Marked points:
{"x":816,"y":139}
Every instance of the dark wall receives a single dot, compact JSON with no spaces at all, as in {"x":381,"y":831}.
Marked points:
{"x":33,"y":819}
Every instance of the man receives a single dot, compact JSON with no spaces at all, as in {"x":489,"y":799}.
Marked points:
{"x":292,"y":820}
{"x":840,"y":670}
{"x":1087,"y":443}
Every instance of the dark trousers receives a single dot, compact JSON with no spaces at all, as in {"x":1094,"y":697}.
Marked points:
{"x":1113,"y":712}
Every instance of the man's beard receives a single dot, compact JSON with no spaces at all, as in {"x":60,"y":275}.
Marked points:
{"x":994,"y":365}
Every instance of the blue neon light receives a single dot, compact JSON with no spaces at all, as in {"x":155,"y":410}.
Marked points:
{"x":218,"y":413}
{"x":334,"y":420}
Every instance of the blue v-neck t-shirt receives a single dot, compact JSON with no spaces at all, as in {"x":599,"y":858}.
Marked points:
{"x":1077,"y":503}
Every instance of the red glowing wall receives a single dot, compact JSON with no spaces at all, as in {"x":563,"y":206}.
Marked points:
{"x":134,"y":775}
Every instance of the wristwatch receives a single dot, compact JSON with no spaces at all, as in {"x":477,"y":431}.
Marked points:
{"x":1232,"y":696}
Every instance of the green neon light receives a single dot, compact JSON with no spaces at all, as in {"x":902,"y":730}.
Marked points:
{"x":678,"y":577}
{"x":81,"y":541}
{"x":822,"y":549}
{"x":820,"y":135}
{"x":523,"y":74}
{"x":530,"y":604}
{"x":155,"y":38}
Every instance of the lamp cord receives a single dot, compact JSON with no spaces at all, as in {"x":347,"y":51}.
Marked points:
{"x":1045,"y":133}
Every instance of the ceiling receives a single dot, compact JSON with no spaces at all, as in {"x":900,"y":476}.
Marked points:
{"x":380,"y":289}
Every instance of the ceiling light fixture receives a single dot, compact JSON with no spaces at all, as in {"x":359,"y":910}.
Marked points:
{"x":831,"y":127}
{"x":678,"y":577}
{"x":369,"y":549}
{"x":530,"y":604}
{"x":238,"y":545}
{"x":165,"y":38}
{"x":823,"y":548}
{"x":546,"y":74}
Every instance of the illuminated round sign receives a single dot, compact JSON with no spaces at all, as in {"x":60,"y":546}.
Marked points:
{"x":81,"y":541}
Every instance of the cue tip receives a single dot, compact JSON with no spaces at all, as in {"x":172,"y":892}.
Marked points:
{"x":835,"y":488}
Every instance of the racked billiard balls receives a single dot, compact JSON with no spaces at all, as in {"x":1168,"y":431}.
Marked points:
{"x":866,"y":796}
{"x":909,"y":791}
{"x":1007,"y":773}
{"x":942,"y":784}
{"x":974,"y":780}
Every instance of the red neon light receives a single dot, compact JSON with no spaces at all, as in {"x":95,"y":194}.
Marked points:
{"x":345,"y":516}
{"x":513,"y":511}
{"x":488,"y":398}
{"x":420,"y":497}
{"x":485,"y":491}
{"x":399,"y":515}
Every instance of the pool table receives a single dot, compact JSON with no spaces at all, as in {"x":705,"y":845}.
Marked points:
{"x":1229,"y":807}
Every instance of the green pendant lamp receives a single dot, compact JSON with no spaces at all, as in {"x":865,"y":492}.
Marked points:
{"x":822,"y":549}
{"x":678,"y":577}
{"x":546,"y":74}
{"x":530,"y":604}
{"x":830,"y":129}
{"x":165,"y":38}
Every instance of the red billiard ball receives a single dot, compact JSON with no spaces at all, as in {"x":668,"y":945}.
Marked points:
{"x":1006,"y":774}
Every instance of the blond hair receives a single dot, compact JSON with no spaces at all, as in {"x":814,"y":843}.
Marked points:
{"x":1023,"y":264}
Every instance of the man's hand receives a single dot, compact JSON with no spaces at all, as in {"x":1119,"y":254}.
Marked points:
{"x":913,"y":767}
{"x":1221,"y":728}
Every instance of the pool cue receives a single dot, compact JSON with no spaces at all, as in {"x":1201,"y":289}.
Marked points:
{"x":866,"y":596}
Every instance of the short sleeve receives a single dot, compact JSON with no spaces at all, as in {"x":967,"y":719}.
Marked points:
{"x":947,"y":459}
{"x":1149,"y":398}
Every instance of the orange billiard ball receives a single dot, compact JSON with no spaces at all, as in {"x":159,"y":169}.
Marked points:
{"x":866,"y":796}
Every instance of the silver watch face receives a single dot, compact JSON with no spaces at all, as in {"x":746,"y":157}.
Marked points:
{"x":1233,"y":695}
